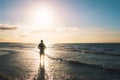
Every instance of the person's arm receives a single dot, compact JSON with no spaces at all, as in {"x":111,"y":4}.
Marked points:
{"x":44,"y":46}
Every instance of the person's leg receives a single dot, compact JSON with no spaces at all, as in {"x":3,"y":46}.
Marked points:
{"x":40,"y":56}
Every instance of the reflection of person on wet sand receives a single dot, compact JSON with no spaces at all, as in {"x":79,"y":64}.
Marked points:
{"x":42,"y":47}
{"x":42,"y":75}
{"x":41,"y":72}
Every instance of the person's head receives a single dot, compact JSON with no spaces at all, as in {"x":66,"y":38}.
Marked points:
{"x":41,"y":41}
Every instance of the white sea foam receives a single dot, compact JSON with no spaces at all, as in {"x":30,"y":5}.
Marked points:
{"x":3,"y":53}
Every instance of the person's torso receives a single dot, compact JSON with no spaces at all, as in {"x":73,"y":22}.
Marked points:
{"x":42,"y":46}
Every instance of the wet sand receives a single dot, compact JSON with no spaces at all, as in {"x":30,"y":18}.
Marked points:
{"x":26,"y":65}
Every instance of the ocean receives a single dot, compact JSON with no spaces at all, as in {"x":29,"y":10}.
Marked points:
{"x":65,"y":61}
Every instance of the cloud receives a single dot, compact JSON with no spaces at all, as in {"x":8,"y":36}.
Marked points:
{"x":42,"y":30}
{"x":24,"y":35}
{"x":1,"y":39}
{"x":7,"y":27}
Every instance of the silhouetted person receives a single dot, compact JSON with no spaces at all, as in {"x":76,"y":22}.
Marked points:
{"x":42,"y":47}
{"x":41,"y":73}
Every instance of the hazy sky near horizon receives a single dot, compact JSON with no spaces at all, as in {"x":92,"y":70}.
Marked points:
{"x":60,"y":21}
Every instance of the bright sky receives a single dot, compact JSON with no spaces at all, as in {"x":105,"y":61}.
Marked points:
{"x":58,"y":21}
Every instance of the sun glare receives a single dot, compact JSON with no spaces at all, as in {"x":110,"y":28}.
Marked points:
{"x":42,"y":17}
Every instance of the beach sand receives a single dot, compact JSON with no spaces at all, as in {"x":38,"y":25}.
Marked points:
{"x":25,"y":64}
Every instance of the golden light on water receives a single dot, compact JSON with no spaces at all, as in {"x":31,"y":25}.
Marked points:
{"x":42,"y":60}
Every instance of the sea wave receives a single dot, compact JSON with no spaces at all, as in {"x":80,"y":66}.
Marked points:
{"x":3,"y":52}
{"x":110,"y":49}
{"x":17,"y":45}
{"x":72,"y":62}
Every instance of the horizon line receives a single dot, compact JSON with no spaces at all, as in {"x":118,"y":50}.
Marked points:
{"x":63,"y":43}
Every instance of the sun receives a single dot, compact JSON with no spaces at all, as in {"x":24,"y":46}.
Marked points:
{"x":42,"y":17}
